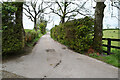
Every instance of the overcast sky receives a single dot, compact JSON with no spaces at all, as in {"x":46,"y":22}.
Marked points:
{"x":109,"y":21}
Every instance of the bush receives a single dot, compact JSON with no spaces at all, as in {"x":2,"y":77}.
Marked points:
{"x":76,"y":34}
{"x":30,"y":35}
{"x":42,"y":28}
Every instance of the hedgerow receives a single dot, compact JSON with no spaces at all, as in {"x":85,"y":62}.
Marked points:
{"x":12,"y":42}
{"x":12,"y":39}
{"x":12,"y":31}
{"x":76,"y":34}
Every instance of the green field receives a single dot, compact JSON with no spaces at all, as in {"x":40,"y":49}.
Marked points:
{"x":113,"y":34}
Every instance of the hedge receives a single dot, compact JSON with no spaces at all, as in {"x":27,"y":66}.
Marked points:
{"x":12,"y":29}
{"x":12,"y":39}
{"x":75,"y":34}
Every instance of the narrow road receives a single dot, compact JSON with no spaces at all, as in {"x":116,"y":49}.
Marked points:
{"x":50,"y":59}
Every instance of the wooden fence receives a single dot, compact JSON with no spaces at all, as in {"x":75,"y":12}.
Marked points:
{"x":109,"y":46}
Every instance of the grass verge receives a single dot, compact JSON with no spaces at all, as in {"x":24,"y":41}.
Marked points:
{"x":113,"y":59}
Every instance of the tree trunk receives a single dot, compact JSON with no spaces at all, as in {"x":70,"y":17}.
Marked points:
{"x":98,"y":26}
{"x":64,"y":12}
{"x":63,"y":20}
{"x":35,"y":24}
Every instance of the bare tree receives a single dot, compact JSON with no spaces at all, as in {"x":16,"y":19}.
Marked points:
{"x":68,"y":10}
{"x":33,"y":12}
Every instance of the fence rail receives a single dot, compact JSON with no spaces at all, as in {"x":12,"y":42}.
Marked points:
{"x":109,"y":46}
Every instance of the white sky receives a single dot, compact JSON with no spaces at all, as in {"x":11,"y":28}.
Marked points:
{"x":111,"y":22}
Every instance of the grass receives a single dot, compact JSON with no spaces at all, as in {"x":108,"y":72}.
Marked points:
{"x":112,"y":59}
{"x":29,"y":30}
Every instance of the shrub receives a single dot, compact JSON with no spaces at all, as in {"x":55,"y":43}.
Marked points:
{"x":42,"y":28}
{"x":30,"y":35}
{"x":76,"y":34}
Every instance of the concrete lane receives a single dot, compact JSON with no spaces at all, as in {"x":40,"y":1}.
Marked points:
{"x":52,"y":60}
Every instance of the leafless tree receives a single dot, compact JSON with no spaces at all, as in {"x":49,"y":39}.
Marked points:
{"x":68,"y":10}
{"x":33,"y":11}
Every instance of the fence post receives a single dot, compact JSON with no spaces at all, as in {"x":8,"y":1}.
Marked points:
{"x":109,"y":48}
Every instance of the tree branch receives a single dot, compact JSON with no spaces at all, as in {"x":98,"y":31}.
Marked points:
{"x":29,"y":17}
{"x":55,"y":12}
{"x":33,"y":5}
{"x":116,"y":6}
{"x":81,"y":13}
{"x":70,"y":11}
{"x":28,"y":12}
{"x":59,"y":6}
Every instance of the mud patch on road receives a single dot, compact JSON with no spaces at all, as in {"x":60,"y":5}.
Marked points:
{"x":50,"y":50}
{"x":57,"y":64}
{"x":79,"y":58}
{"x":63,"y":47}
